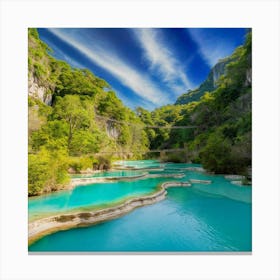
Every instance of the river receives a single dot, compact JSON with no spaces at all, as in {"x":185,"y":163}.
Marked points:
{"x":213,"y":217}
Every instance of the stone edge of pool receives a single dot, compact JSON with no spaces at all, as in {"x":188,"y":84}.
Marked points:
{"x":39,"y":228}
{"x":87,"y":180}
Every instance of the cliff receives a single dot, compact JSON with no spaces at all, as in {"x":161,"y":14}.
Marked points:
{"x":38,"y":91}
{"x":208,"y":85}
{"x":70,"y":127}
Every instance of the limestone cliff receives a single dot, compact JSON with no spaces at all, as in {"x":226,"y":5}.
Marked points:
{"x":38,"y":91}
{"x":208,"y":85}
{"x":217,"y":71}
{"x":112,"y":131}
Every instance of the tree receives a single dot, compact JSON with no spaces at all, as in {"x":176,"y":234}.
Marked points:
{"x":37,"y":173}
{"x":84,"y":142}
{"x":216,"y":155}
{"x":70,"y":109}
{"x":47,"y":170}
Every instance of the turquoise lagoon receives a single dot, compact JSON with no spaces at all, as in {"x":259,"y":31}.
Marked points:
{"x":112,"y":174}
{"x":203,"y":218}
{"x":90,"y":197}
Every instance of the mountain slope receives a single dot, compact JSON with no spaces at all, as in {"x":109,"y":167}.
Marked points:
{"x":221,"y":139}
{"x":70,"y":128}
{"x":208,"y":85}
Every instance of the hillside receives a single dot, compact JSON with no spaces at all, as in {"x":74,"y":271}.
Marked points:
{"x":208,"y":85}
{"x":76,"y":121}
{"x":222,"y":115}
{"x":69,"y":112}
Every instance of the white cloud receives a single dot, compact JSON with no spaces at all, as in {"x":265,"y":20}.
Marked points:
{"x":131,"y":103}
{"x":211,"y":48}
{"x":61,"y":55}
{"x":128,"y":76}
{"x":162,"y":60}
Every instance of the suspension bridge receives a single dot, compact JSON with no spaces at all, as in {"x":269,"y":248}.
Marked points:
{"x":161,"y":151}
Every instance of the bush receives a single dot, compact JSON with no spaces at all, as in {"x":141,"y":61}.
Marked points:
{"x":215,"y":156}
{"x":103,"y":163}
{"x":38,"y":169}
{"x":221,"y":157}
{"x":196,"y":159}
{"x":80,"y":163}
{"x":47,"y":171}
{"x":175,"y":157}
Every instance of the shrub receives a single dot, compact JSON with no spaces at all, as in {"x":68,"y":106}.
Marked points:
{"x":80,"y":163}
{"x":47,"y":171}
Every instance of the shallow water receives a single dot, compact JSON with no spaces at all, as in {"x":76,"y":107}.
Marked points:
{"x":186,"y":221}
{"x":214,"y":217}
{"x":109,"y":174}
{"x":89,"y":197}
{"x":141,"y":163}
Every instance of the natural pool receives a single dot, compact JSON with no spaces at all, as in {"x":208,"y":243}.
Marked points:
{"x":214,"y":217}
{"x":111,"y":174}
{"x":92,"y":196}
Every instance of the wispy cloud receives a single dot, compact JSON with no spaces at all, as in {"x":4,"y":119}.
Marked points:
{"x":212,"y":48}
{"x":61,"y":55}
{"x":127,"y":75}
{"x":135,"y":102}
{"x":162,"y":60}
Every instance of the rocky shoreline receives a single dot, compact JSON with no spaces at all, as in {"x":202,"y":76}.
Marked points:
{"x":39,"y":228}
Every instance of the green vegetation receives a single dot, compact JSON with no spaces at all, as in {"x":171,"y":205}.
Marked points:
{"x":75,"y":132}
{"x":69,"y":136}
{"x":208,"y":85}
{"x":222,"y":116}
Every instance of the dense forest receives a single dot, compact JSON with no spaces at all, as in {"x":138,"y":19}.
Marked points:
{"x":69,"y":127}
{"x":221,"y":139}
{"x":76,"y":121}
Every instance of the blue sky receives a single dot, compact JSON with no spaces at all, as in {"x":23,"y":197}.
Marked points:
{"x":145,"y":67}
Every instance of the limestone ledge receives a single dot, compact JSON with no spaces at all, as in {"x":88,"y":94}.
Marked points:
{"x":195,"y":168}
{"x":131,"y":168}
{"x":238,"y":183}
{"x":196,"y":181}
{"x":39,"y":228}
{"x":144,"y":175}
{"x":235,"y":177}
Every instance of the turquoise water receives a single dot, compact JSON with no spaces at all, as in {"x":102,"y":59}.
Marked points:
{"x":141,"y":163}
{"x":106,"y":174}
{"x":89,"y":197}
{"x":186,"y":221}
{"x":214,"y":217}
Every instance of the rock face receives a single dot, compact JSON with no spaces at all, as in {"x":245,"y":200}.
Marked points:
{"x":111,"y":130}
{"x":39,"y":92}
{"x":218,"y":70}
{"x":208,"y":85}
{"x":248,"y":80}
